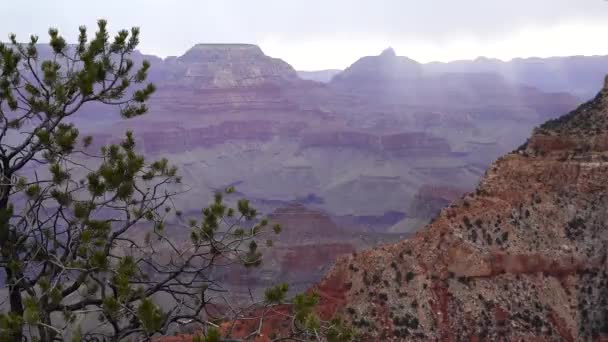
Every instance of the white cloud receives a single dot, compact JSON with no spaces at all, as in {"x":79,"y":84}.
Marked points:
{"x":313,"y":34}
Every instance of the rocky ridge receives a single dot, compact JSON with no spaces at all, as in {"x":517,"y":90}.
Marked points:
{"x":232,"y":104}
{"x":524,"y":257}
{"x":394,"y":82}
{"x":230,"y":115}
{"x":578,"y":75}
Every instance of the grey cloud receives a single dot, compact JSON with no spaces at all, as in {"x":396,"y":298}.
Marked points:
{"x":170,"y":26}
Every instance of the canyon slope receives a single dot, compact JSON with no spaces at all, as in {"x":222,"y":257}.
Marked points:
{"x":376,"y":152}
{"x":523,"y":257}
{"x":229,"y":115}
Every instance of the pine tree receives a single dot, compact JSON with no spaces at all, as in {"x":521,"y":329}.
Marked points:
{"x":71,"y":247}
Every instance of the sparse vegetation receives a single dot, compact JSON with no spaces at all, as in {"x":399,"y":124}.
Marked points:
{"x":86,"y":233}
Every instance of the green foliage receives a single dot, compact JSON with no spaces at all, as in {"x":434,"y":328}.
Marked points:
{"x":125,"y":272}
{"x":276,"y":294}
{"x":33,"y":190}
{"x":10,"y":326}
{"x":21,"y":184}
{"x":95,"y":232}
{"x":31,"y":314}
{"x":307,"y":324}
{"x":338,"y":331}
{"x":304,"y":305}
{"x":245,"y":209}
{"x":150,"y":316}
{"x":77,"y":336}
{"x":82,"y":210}
{"x":213,"y":335}
{"x":254,"y":256}
{"x":311,"y":323}
{"x":111,"y":307}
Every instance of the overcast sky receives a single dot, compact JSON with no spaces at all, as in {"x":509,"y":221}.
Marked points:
{"x":321,"y":34}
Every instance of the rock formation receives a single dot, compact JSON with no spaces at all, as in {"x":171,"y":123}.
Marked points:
{"x":212,"y":78}
{"x":387,"y":81}
{"x":360,"y":147}
{"x":386,"y":66}
{"x":210,"y":66}
{"x":521,"y":258}
{"x":300,"y":255}
{"x":578,"y":75}
{"x":356,"y":150}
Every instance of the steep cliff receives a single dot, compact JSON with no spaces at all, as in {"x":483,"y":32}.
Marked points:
{"x":229,"y":114}
{"x":521,"y":258}
{"x":224,"y":77}
{"x":362,"y":145}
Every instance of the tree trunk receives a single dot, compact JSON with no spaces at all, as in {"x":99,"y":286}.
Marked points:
{"x":14,"y":292}
{"x":46,"y":334}
{"x":6,"y":250}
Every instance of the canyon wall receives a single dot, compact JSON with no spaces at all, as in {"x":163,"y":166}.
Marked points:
{"x":362,"y":150}
{"x":523,"y":257}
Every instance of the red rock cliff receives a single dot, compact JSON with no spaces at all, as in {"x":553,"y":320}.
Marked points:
{"x":522,"y":258}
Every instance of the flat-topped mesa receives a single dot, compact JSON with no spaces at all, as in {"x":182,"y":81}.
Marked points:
{"x":210,"y":52}
{"x":221,"y":66}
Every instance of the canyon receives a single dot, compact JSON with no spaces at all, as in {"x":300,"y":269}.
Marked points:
{"x":514,"y":248}
{"x":377,"y":151}
{"x":233,"y":115}
{"x":520,"y":258}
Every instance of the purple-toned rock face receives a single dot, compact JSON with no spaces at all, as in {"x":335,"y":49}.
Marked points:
{"x":578,"y":75}
{"x":385,"y":67}
{"x":523,"y":258}
{"x":346,"y":139}
{"x":228,"y":113}
{"x":417,"y":143}
{"x":396,"y":83}
{"x":356,"y":152}
{"x":212,"y":66}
